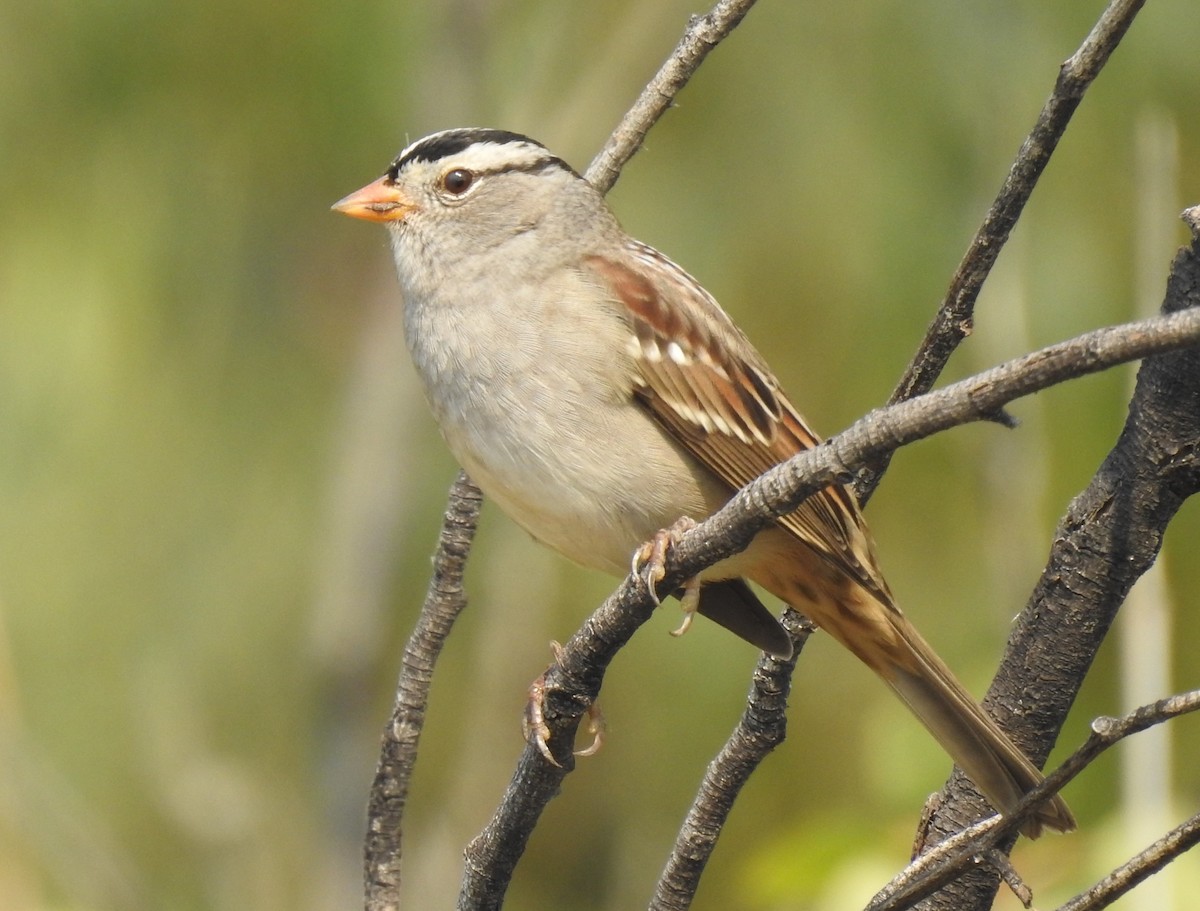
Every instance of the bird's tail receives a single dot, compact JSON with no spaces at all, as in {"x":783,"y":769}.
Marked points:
{"x":999,"y":769}
{"x":879,"y":634}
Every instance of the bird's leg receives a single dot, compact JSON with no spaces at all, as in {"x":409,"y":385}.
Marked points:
{"x":533,"y":724}
{"x":597,"y":727}
{"x":689,"y":602}
{"x":649,"y":565}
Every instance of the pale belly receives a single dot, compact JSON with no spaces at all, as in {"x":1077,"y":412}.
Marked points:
{"x":593,"y":497}
{"x":567,"y":454}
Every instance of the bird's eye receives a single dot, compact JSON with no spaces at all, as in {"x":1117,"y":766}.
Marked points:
{"x":458,"y":181}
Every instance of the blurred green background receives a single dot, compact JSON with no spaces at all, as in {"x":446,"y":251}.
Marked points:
{"x":219,"y":487}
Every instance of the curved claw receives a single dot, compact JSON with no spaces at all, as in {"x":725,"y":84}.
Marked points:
{"x":690,"y":603}
{"x":533,"y":724}
{"x":649,"y":560}
{"x":596,"y":727}
{"x":534,"y":728}
{"x":647,"y":564}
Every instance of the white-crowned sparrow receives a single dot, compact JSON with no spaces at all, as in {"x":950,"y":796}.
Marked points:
{"x":596,"y":392}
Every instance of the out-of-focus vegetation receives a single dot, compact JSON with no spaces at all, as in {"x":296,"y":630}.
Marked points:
{"x":219,"y":487}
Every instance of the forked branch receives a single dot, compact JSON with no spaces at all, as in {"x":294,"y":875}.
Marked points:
{"x":959,"y":853}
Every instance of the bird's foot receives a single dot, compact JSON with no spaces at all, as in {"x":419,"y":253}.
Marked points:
{"x":649,"y":565}
{"x":535,"y":730}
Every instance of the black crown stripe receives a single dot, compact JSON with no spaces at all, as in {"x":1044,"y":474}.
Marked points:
{"x":451,"y":142}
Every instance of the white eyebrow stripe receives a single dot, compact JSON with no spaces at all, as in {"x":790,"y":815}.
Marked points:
{"x":492,"y":156}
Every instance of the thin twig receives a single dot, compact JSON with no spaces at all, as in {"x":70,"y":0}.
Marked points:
{"x":444,"y":601}
{"x":702,"y":35}
{"x":931,"y":869}
{"x":1107,"y":732}
{"x":1003,"y":866}
{"x":955,"y":316}
{"x":762,"y":727}
{"x":1110,"y":535}
{"x":1183,"y":837}
{"x":949,"y":859}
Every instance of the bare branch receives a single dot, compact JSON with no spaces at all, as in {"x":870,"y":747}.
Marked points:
{"x":444,"y":601}
{"x":1107,"y":732}
{"x":1110,"y":536}
{"x":948,"y":328}
{"x":958,"y":853}
{"x":1136,"y":869}
{"x":761,"y":728}
{"x":573,"y":683}
{"x":955,"y":318}
{"x":936,"y":867}
{"x":999,"y":861}
{"x":702,"y":35}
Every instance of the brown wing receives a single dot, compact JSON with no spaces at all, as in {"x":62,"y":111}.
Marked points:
{"x":703,"y":380}
{"x":705,"y":383}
